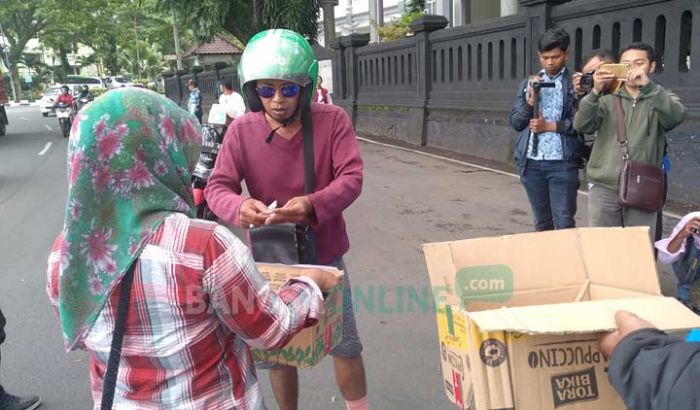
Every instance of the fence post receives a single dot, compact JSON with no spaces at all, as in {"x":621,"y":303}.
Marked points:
{"x":538,"y":20}
{"x":345,"y":69}
{"x":422,"y":28}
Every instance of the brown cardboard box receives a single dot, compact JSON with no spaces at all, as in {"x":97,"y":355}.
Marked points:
{"x":309,"y":346}
{"x":517,"y":315}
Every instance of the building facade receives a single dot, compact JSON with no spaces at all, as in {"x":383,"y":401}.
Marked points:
{"x":452,"y":87}
{"x":354,"y":16}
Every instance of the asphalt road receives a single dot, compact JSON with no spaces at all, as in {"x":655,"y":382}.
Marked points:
{"x":408,"y":199}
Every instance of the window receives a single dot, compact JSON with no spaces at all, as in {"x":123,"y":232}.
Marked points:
{"x":686,"y":34}
{"x":596,"y":37}
{"x":616,"y":39}
{"x":660,"y":43}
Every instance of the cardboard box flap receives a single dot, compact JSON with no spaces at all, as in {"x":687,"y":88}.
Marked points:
{"x":278,"y":274}
{"x":490,"y":269}
{"x":495,"y":267}
{"x":620,"y":257}
{"x":583,"y":317}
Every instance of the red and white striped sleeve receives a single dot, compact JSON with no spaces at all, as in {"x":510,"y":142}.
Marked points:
{"x":244,"y":301}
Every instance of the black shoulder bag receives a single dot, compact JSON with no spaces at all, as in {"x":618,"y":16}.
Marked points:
{"x":110,"y":380}
{"x":290,"y":243}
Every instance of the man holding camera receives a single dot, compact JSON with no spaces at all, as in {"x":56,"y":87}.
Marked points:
{"x":583,"y":81}
{"x":548,"y":149}
{"x":583,"y":84}
{"x":650,"y":111}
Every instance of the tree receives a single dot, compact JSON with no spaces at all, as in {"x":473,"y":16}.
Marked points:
{"x":210,"y":16}
{"x":22,"y":20}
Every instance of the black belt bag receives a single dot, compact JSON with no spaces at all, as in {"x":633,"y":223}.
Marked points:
{"x":285,"y":243}
{"x":289,"y":243}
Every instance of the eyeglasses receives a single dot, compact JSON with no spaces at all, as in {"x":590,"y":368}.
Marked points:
{"x":287,"y":91}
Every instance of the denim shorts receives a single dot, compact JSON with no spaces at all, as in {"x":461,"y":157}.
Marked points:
{"x":350,"y":345}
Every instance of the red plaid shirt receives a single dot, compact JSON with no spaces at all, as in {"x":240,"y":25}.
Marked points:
{"x":197,"y":303}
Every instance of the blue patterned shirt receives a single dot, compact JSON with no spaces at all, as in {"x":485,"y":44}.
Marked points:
{"x":194,"y":104}
{"x":552,"y":104}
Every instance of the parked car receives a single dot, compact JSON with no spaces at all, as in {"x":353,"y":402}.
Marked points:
{"x":47,"y":100}
{"x":76,"y":81}
{"x":116,"y":82}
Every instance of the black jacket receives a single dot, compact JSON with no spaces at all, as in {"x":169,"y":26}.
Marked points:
{"x":521,"y":114}
{"x":652,"y":370}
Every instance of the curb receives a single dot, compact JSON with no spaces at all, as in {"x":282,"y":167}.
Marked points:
{"x":23,"y":103}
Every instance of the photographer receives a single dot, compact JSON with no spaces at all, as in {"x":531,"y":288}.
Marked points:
{"x":583,"y":84}
{"x":583,"y":81}
{"x":649,"y":111}
{"x":548,"y":149}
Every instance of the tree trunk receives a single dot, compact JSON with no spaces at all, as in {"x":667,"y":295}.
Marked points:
{"x":16,"y":81}
{"x":65,"y":64}
{"x":256,"y":15}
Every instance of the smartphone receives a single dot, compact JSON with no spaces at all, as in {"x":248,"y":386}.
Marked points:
{"x":620,"y":71}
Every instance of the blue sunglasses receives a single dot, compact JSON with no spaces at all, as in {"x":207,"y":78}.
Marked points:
{"x":287,"y":91}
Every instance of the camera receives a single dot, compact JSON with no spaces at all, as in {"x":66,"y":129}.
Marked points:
{"x":587,"y":81}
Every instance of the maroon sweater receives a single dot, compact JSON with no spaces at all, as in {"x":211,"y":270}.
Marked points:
{"x":275,"y":172}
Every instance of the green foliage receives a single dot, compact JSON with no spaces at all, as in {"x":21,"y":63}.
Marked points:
{"x":297,"y":15}
{"x":98,"y":91}
{"x":414,"y":6}
{"x":398,"y":28}
{"x":112,"y":28}
{"x":244,"y":18}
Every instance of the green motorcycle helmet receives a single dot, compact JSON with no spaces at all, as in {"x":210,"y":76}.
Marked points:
{"x":278,"y":54}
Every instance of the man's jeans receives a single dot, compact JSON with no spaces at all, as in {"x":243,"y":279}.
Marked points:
{"x":551,"y":187}
{"x":604,"y":210}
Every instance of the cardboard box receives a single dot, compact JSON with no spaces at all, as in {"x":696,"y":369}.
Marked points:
{"x":309,"y":346}
{"x":518,"y":315}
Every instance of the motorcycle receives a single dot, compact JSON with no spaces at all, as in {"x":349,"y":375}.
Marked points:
{"x":212,"y":137}
{"x":64,"y":113}
{"x":81,"y":102}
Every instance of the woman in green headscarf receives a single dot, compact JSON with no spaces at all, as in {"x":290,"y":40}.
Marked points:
{"x":130,"y":157}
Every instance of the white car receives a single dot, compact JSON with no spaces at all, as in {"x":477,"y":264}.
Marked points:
{"x":47,"y":100}
{"x":117,"y":82}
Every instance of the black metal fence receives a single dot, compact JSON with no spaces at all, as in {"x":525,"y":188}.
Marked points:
{"x":453,"y":88}
{"x":207,"y":82}
{"x":478,"y":65}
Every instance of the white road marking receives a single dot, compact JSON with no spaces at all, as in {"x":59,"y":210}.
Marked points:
{"x":497,"y":171}
{"x":48,"y":128}
{"x":46,"y":148}
{"x":24,"y":118}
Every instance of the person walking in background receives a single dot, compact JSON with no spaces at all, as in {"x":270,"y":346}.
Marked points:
{"x":321,"y":95}
{"x":548,"y":150}
{"x":231,"y":101}
{"x":194,"y":103}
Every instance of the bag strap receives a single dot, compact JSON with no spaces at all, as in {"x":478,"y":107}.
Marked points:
{"x":621,"y":128}
{"x":308,"y":132}
{"x":115,"y":352}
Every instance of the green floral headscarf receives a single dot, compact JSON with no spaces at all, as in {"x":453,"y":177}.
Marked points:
{"x":130,"y":157}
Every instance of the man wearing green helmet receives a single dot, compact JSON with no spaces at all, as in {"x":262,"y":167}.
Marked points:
{"x":278,"y":73}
